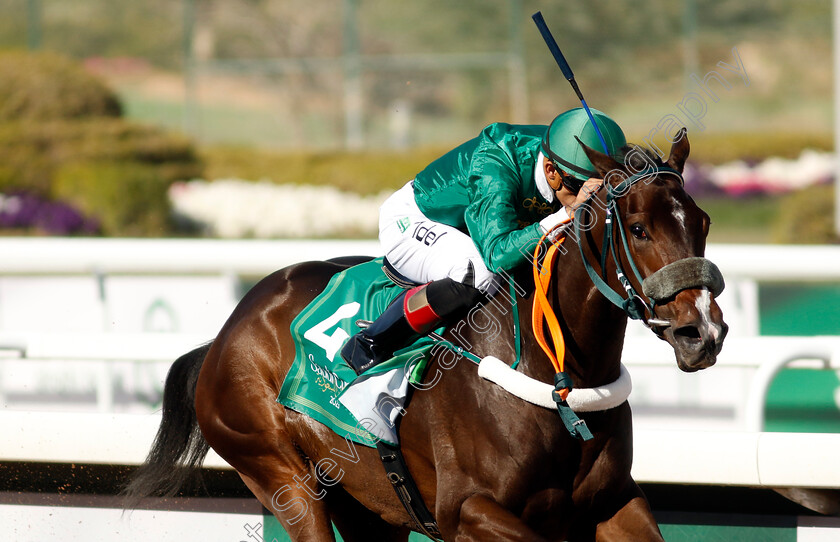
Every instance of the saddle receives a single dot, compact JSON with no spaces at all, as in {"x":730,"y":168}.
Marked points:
{"x":319,"y":377}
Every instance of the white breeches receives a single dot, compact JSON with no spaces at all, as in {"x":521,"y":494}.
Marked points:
{"x":424,"y":250}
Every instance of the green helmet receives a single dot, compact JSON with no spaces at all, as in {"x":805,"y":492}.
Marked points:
{"x":560,"y":147}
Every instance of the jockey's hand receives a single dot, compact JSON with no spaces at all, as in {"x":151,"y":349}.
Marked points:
{"x":553,"y":220}
{"x":572,"y":201}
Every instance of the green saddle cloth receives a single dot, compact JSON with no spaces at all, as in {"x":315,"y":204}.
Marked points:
{"x":319,"y":374}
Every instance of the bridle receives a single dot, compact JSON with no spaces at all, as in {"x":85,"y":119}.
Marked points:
{"x":687,"y":273}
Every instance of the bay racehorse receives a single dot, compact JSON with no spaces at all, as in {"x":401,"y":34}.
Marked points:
{"x":489,"y":465}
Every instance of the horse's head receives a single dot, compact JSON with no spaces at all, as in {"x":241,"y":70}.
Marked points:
{"x":664,"y":235}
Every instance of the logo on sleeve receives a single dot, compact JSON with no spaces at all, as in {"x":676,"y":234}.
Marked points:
{"x":427,"y":235}
{"x":403,"y":224}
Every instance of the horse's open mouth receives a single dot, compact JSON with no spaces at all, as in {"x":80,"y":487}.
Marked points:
{"x":694,"y":349}
{"x":688,"y":334}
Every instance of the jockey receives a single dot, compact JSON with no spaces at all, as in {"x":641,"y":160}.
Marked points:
{"x":479,"y":209}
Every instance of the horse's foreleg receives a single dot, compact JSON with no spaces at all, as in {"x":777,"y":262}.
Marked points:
{"x":632,"y":521}
{"x":483,"y":519}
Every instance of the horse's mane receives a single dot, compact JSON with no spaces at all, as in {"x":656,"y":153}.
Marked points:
{"x":638,"y":157}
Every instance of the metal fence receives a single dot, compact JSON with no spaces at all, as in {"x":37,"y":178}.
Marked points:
{"x":373,"y":74}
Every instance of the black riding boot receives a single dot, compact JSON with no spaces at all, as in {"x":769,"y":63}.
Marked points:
{"x":413,"y":314}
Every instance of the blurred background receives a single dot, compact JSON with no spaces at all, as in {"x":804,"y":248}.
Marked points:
{"x":157,"y":158}
{"x":360,"y":95}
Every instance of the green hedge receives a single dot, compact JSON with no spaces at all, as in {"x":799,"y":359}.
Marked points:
{"x":369,"y":172}
{"x":61,"y":137}
{"x":807,"y":217}
{"x":31,"y":153}
{"x":128,"y":198}
{"x":46,"y":86}
{"x":721,"y":148}
{"x":360,"y":172}
{"x":81,"y":162}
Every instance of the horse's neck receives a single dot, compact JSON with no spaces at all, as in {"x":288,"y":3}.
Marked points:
{"x":593,"y":329}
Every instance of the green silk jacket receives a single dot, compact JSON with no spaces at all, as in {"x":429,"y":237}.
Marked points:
{"x":485,"y":188}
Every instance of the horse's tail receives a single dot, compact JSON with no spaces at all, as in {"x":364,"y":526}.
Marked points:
{"x":179,"y":447}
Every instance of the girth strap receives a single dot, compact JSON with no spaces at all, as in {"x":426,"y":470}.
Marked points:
{"x":409,"y":495}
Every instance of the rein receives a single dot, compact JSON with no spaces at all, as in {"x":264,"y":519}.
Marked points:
{"x":692,"y":272}
{"x":560,"y":396}
{"x":672,"y":278}
{"x":634,"y":305}
{"x":543,"y":313}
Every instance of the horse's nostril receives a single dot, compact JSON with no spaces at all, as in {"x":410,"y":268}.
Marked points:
{"x":687,"y":332}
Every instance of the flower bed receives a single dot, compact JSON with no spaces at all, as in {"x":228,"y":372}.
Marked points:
{"x":30,"y":213}
{"x":234,"y":208}
{"x":772,"y":176}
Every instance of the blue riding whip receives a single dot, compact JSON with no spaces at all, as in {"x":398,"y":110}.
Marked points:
{"x":567,"y":71}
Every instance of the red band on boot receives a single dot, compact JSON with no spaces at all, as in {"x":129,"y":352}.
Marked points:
{"x":418,"y":312}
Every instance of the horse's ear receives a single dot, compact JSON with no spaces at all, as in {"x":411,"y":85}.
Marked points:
{"x":603,"y":163}
{"x":679,"y":151}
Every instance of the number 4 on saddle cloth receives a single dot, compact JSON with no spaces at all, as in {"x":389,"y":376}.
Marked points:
{"x":318,"y":383}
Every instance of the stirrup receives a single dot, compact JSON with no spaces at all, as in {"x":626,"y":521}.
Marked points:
{"x":359,"y":354}
{"x":407,"y":318}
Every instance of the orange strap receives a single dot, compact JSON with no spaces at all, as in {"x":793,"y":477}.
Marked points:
{"x":542,"y":309}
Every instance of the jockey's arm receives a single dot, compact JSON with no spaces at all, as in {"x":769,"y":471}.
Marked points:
{"x":491,"y":218}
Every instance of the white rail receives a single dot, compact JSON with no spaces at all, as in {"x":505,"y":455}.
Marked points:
{"x":134,"y":347}
{"x":737,"y":459}
{"x":777,"y":262}
{"x":755,"y":360}
{"x":99,"y":349}
{"x":743,"y":457}
{"x":48,"y":256}
{"x":764,"y":356}
{"x":673,"y":457}
{"x":89,"y":437}
{"x":103,"y":261}
{"x":256,"y":257}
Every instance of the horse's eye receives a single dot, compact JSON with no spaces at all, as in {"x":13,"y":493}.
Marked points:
{"x":638,"y":231}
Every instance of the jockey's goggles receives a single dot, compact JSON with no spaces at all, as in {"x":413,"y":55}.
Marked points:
{"x":572,"y":184}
